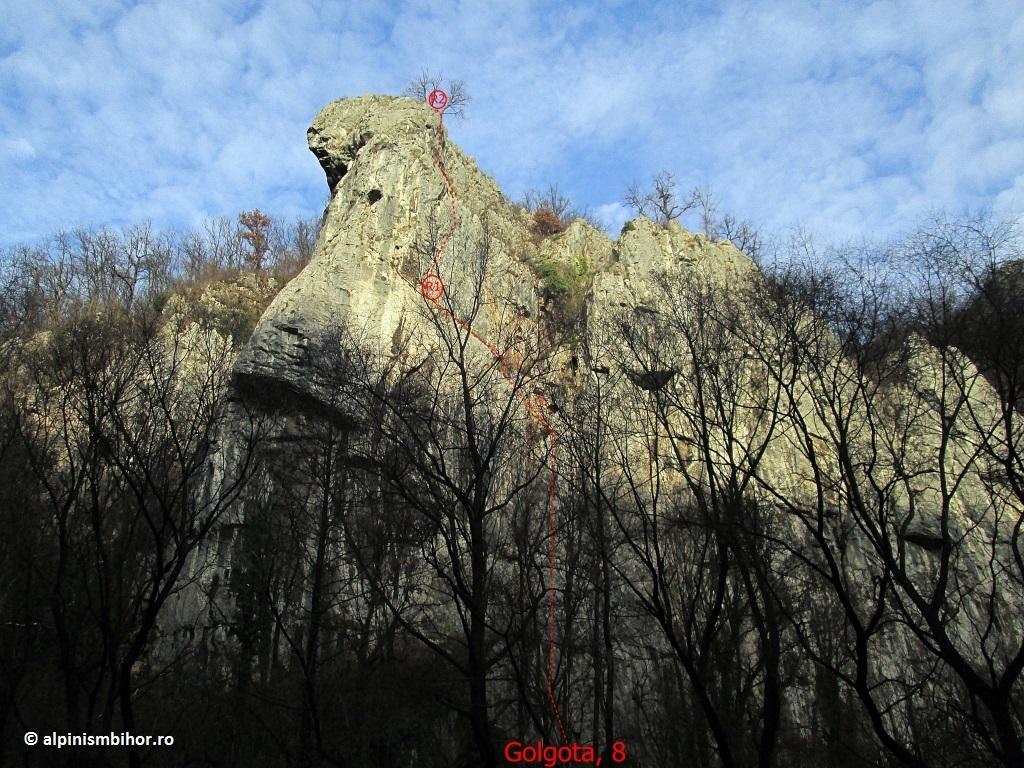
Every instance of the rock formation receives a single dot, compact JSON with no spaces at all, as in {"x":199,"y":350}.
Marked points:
{"x":659,"y":321}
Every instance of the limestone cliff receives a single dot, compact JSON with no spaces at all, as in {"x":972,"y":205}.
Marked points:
{"x":388,"y":210}
{"x":388,"y":204}
{"x":707,"y":381}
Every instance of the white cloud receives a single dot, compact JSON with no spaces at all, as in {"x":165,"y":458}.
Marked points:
{"x":848,"y":119}
{"x":612,"y":216}
{"x":1010,"y":201}
{"x":20,"y":148}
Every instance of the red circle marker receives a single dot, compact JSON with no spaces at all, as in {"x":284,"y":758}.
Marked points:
{"x":432,"y":287}
{"x":437,"y":100}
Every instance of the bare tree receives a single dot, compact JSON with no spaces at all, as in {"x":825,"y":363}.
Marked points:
{"x":686,"y":444}
{"x":551,"y":199}
{"x":909,"y":528}
{"x":661,"y":203}
{"x":425,"y":83}
{"x":589,"y":432}
{"x":553,"y":210}
{"x":457,"y":445}
{"x":742,"y":234}
{"x":117,"y":422}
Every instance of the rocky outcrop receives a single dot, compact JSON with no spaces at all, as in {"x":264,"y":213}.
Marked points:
{"x":638,"y":327}
{"x":389,"y":207}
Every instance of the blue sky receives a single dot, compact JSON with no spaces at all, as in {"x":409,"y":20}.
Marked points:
{"x":849,"y":119}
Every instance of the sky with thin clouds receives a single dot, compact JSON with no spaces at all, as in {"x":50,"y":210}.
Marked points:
{"x":849,"y":119}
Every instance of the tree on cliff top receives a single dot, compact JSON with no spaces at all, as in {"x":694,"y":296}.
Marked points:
{"x":458,"y":97}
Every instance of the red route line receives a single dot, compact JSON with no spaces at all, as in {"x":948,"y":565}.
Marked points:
{"x":436,"y":264}
{"x":433,"y":294}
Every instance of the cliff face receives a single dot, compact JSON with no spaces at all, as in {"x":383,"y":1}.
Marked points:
{"x":389,"y":209}
{"x":591,"y":490}
{"x":643,"y":310}
{"x":388,"y":204}
{"x":696,"y":388}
